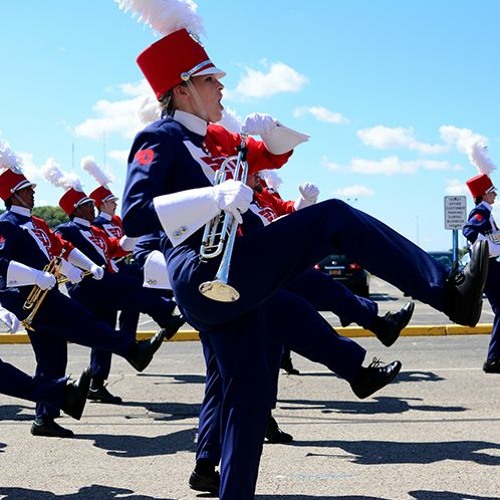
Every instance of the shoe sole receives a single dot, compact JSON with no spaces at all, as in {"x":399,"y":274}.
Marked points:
{"x":469,"y":316}
{"x":483,"y":262}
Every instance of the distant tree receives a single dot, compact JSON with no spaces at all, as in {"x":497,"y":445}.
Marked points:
{"x":52,"y":215}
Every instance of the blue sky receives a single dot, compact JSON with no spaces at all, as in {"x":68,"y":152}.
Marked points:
{"x":390,"y":91}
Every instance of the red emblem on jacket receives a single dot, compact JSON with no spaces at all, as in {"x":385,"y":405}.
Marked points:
{"x":145,"y":156}
{"x":478,"y":217}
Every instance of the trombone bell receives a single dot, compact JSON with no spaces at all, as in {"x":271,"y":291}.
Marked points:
{"x":219,"y":291}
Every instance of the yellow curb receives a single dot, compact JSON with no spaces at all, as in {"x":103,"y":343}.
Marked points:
{"x":350,"y":331}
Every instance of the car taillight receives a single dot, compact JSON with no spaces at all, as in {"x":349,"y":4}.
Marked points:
{"x":354,"y":267}
{"x":316,"y":266}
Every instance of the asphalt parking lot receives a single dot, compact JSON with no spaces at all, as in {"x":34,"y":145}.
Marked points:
{"x":433,"y":434}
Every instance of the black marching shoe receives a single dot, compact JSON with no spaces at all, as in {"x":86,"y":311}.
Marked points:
{"x":344,"y":321}
{"x":274,"y":434}
{"x":100,"y":393}
{"x":75,"y":395}
{"x":374,"y":377}
{"x":492,"y":366}
{"x":142,"y":352}
{"x":173,"y":325}
{"x":207,"y":481}
{"x":388,"y":328}
{"x":49,"y":428}
{"x":464,"y":287}
{"x":287,"y":365}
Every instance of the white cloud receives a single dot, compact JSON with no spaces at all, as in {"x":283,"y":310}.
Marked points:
{"x":382,"y":137}
{"x":390,"y":165}
{"x":120,"y":155}
{"x":321,"y":114}
{"x":279,"y":78}
{"x":30,"y":169}
{"x":118,"y":117}
{"x":330,"y":165}
{"x":354,"y":191}
{"x":140,"y":88}
{"x":455,"y":187}
{"x":460,"y":138}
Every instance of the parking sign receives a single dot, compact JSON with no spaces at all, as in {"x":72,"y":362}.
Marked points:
{"x":455,"y":212}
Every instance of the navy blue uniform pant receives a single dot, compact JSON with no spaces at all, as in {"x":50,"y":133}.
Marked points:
{"x":120,"y":292}
{"x":273,"y":257}
{"x":285,"y":317}
{"x":492,"y":291}
{"x":327,"y":294}
{"x":100,"y":359}
{"x":128,"y":320}
{"x":58,"y":321}
{"x":263,"y":262}
{"x":16,"y":383}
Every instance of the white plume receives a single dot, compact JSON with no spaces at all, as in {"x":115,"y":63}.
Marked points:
{"x":89,"y":164}
{"x":165,"y":16}
{"x":9,"y":159}
{"x":478,"y":155}
{"x":51,"y":172}
{"x":149,"y":111}
{"x":273,"y":180}
{"x":230,"y":120}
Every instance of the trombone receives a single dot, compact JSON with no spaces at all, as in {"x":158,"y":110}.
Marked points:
{"x":36,"y":297}
{"x":220,"y":233}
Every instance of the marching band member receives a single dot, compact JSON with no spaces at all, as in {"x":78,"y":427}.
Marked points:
{"x":105,"y":202}
{"x":116,"y":291}
{"x":481,"y":226}
{"x":170,"y":185}
{"x":69,"y":396}
{"x":317,"y":288}
{"x":27,"y":247}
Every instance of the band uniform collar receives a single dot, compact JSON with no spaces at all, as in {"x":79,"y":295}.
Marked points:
{"x":106,"y":216}
{"x":191,"y":122}
{"x":20,"y":210}
{"x":81,"y":222}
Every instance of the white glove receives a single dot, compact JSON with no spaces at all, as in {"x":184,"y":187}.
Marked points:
{"x":72,"y":273}
{"x":258,"y":124}
{"x":45,"y":280}
{"x":233,"y":197}
{"x":97,"y":272}
{"x":9,"y":320}
{"x":308,"y":196}
{"x":127,"y":243}
{"x":309,"y":192}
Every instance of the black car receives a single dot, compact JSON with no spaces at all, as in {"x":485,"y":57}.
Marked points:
{"x":445,"y":258}
{"x":351,"y":274}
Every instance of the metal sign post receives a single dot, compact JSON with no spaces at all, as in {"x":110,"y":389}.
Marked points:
{"x":455,"y":217}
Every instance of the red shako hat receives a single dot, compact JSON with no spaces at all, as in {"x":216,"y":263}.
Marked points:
{"x":12,"y":178}
{"x":102,"y":194}
{"x":10,"y":182}
{"x":174,"y":59}
{"x":72,"y":199}
{"x":480,"y":185}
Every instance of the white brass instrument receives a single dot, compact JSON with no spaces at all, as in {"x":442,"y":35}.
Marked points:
{"x":220,"y":233}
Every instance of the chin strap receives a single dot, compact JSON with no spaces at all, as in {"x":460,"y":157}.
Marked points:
{"x":197,"y":98}
{"x":21,"y":201}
